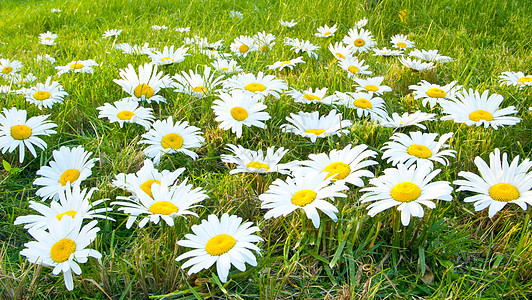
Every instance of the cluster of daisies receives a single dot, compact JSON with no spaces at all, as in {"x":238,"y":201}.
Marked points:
{"x":64,"y":229}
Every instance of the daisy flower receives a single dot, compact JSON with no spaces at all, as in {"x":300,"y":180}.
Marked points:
{"x":400,"y":41}
{"x":417,"y":147}
{"x":63,"y":246}
{"x":498,"y":184}
{"x":365,"y":104}
{"x":69,"y":165}
{"x":372,"y":84}
{"x":243,"y":45}
{"x":166,"y":203}
{"x":165,"y":137}
{"x":170,"y":55}
{"x":354,"y":67}
{"x":432,"y":93}
{"x":387,"y":52}
{"x":111,"y":32}
{"x":236,"y":14}
{"x":516,"y":79}
{"x":279,"y":65}
{"x":264,"y":41}
{"x":313,"y":126}
{"x":195,"y":84}
{"x":406,"y":188}
{"x":226,"y":66}
{"x":46,"y":58}
{"x":288,"y":24}
{"x":47,"y":38}
{"x":135,"y":49}
{"x":305,"y":191}
{"x":72,"y":201}
{"x":309,"y":96}
{"x":361,"y":40}
{"x":225,"y":241}
{"x":430,"y":55}
{"x":215,"y":54}
{"x":260,"y":84}
{"x":55,"y":10}
{"x":249,"y":161}
{"x":361,"y":23}
{"x":145,"y":85}
{"x":341,"y":51}
{"x":77,"y":66}
{"x":238,"y":109}
{"x":326,"y":31}
{"x":158,"y":27}
{"x":127,"y":110}
{"x":406,"y":119}
{"x":302,"y":46}
{"x":182,"y":29}
{"x":8,"y":68}
{"x":17,"y":132}
{"x":47,"y":94}
{"x":416,"y":65}
{"x":472,"y":108}
{"x":343,"y":166}
{"x":21,"y":80}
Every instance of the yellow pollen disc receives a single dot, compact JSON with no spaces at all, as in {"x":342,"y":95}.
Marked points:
{"x":303,"y":197}
{"x":146,"y":186}
{"x":419,"y":151}
{"x":143,"y":90}
{"x":7,"y":70}
{"x":69,"y":175}
{"x":220,"y":244}
{"x":327,"y":33}
{"x":371,"y":88}
{"x":70,"y":213}
{"x":125,"y":115}
{"x":359,"y":42}
{"x":316,"y":131}
{"x":48,"y":39}
{"x":62,"y":250}
{"x":479,"y":115}
{"x":284,"y":63}
{"x":41,"y":95}
{"x":264,"y":48}
{"x":524,"y":79}
{"x":239,"y":114}
{"x":401,"y":45}
{"x":339,"y":170}
{"x":340,"y":55}
{"x":363,"y":103}
{"x":436,"y":93}
{"x":167,"y":58}
{"x":255,"y":87}
{"x":76,"y":66}
{"x":20,"y":132}
{"x":163,"y":208}
{"x":224,"y":69}
{"x":243,"y":49}
{"x":200,"y":89}
{"x":311,"y":97}
{"x":258,"y":165}
{"x":172,"y":140}
{"x":504,"y":192}
{"x":405,"y":192}
{"x":353,"y":69}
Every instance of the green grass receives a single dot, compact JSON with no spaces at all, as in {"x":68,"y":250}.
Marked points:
{"x":453,"y":252}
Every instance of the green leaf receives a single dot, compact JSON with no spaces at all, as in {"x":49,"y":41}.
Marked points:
{"x":7,"y":166}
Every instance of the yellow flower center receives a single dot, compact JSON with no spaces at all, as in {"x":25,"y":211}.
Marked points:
{"x":220,"y":244}
{"x":7,"y":70}
{"x":504,"y":192}
{"x":405,"y":192}
{"x":125,"y":115}
{"x":165,"y":59}
{"x":303,"y":197}
{"x":478,"y":115}
{"x":70,"y":213}
{"x":243,"y":49}
{"x":47,"y":38}
{"x":371,"y":88}
{"x":255,"y":87}
{"x":340,"y":55}
{"x":62,"y":250}
{"x":143,"y":90}
{"x":401,"y":45}
{"x":41,"y":95}
{"x":436,"y":93}
{"x":363,"y":103}
{"x":69,"y":175}
{"x":20,"y":132}
{"x":359,"y":42}
{"x":239,"y":114}
{"x":224,"y":69}
{"x":339,"y":170}
{"x":76,"y":66}
{"x":327,"y":34}
{"x":284,"y":63}
{"x":200,"y":89}
{"x":264,"y":48}
{"x":419,"y":151}
{"x":316,"y":131}
{"x":353,"y":69}
{"x":311,"y":97}
{"x":524,"y":79}
{"x":146,"y":186}
{"x":163,"y":208}
{"x":172,"y":140}
{"x":258,"y":165}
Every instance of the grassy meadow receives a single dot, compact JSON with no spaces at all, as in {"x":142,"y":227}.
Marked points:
{"x":452,"y":252}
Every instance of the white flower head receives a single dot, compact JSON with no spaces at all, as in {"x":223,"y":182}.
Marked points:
{"x":77,"y":66}
{"x":326,"y":31}
{"x":249,"y":161}
{"x":145,"y":85}
{"x":47,"y":94}
{"x":279,"y":65}
{"x":434,"y":93}
{"x":313,"y":126}
{"x":127,"y":110}
{"x":518,"y":79}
